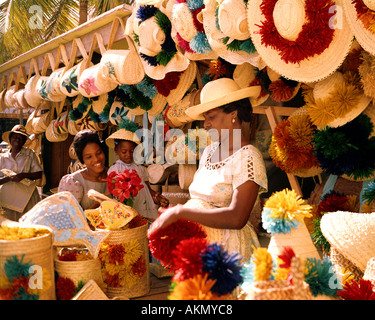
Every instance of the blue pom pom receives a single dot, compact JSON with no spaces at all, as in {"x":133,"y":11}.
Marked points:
{"x":147,"y":88}
{"x":146,"y":12}
{"x":15,"y":268}
{"x":200,"y":44}
{"x":194,"y":4}
{"x":276,"y":226}
{"x":223,"y":267}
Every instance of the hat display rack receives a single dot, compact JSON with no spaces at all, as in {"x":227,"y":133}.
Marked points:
{"x":266,"y":50}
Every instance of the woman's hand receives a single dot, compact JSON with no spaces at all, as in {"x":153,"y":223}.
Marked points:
{"x":18,"y":177}
{"x":168,"y":217}
{"x":160,"y":200}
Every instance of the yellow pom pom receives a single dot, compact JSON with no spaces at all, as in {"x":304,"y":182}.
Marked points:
{"x":263,"y":264}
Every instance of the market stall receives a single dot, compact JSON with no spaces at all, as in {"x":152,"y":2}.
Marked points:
{"x":312,"y":63}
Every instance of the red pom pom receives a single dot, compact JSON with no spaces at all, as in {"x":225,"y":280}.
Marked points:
{"x":187,"y":261}
{"x":361,"y":290}
{"x":163,"y":241}
{"x":65,"y":288}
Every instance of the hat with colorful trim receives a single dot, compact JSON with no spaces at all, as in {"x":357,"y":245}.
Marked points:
{"x":150,"y":29}
{"x":225,"y":24}
{"x":188,"y":31}
{"x":126,"y":131}
{"x":299,"y":39}
{"x":361,"y":17}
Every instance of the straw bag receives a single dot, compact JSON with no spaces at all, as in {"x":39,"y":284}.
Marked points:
{"x":186,"y":174}
{"x":38,"y":252}
{"x":281,"y":289}
{"x":90,"y":291}
{"x":80,"y":271}
{"x":175,"y":194}
{"x":31,"y":95}
{"x":92,"y":82}
{"x":122,"y":66}
{"x":132,"y":270}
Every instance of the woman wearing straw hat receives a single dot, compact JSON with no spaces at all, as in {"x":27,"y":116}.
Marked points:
{"x":231,"y":172}
{"x":18,"y":166}
{"x":90,"y":151}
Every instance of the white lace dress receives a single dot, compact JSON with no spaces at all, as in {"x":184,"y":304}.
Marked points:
{"x":213,"y":186}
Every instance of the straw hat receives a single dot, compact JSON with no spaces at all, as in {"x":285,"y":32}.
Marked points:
{"x":360,"y":15}
{"x":8,"y":97}
{"x":69,"y":80}
{"x":158,"y":104}
{"x":336,"y":100}
{"x":52,"y":135}
{"x":118,"y":113}
{"x":296,"y":24}
{"x":54,"y":82}
{"x":80,"y":108}
{"x":351,"y":234}
{"x":19,"y":99}
{"x":31,"y":95}
{"x":121,"y":134}
{"x":157,"y":49}
{"x":187,"y":78}
{"x":246,"y":75}
{"x":282,"y":89}
{"x":218,"y":93}
{"x":370,"y":271}
{"x":225,"y":24}
{"x":367,"y":73}
{"x":99,"y":103}
{"x":188,"y":31}
{"x":18,"y":128}
{"x":176,"y":114}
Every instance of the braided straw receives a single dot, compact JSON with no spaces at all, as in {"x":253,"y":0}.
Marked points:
{"x":370,"y":271}
{"x":38,"y":251}
{"x":301,"y":289}
{"x":142,"y":286}
{"x":90,"y":291}
{"x":338,"y":259}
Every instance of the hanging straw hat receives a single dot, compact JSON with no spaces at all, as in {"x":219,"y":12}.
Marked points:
{"x":188,"y":31}
{"x":8,"y":97}
{"x":218,"y":93}
{"x":336,"y":100}
{"x":52,"y":135}
{"x":2,"y":103}
{"x":283,"y":216}
{"x":367,"y":73}
{"x":176,"y":114}
{"x":80,"y":108}
{"x":246,"y":75}
{"x":19,"y":99}
{"x":350,"y":234}
{"x":20,"y":129}
{"x":361,"y":18}
{"x":226,"y":27}
{"x":69,"y":80}
{"x":31,"y":95}
{"x":289,"y":50}
{"x":292,"y":148}
{"x":370,"y":271}
{"x":157,"y":49}
{"x":281,"y":89}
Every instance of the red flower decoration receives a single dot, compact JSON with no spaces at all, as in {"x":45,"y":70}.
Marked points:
{"x":333,"y":202}
{"x":124,"y":185}
{"x":116,"y":253}
{"x":187,"y":258}
{"x":65,"y":288}
{"x":169,"y":83}
{"x":139,"y":267}
{"x":112,"y":280}
{"x":163,"y":241}
{"x":361,"y":290}
{"x":286,"y":256}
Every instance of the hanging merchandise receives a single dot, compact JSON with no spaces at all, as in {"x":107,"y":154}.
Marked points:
{"x":150,"y":29}
{"x":361,"y":19}
{"x":226,"y":27}
{"x":367,"y":74}
{"x":299,"y":39}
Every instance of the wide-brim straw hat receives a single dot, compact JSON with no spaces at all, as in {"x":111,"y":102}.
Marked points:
{"x":230,"y":16}
{"x":121,"y":134}
{"x":31,"y":95}
{"x":151,"y":38}
{"x":159,"y":103}
{"x":219,"y":92}
{"x":365,"y":34}
{"x":188,"y":32}
{"x":17,"y":129}
{"x":19,"y":99}
{"x":52,"y":135}
{"x":8,"y":97}
{"x":370,"y":271}
{"x":244,"y":75}
{"x":118,"y":113}
{"x":328,"y":102}
{"x":99,"y":103}
{"x":351,"y":234}
{"x":186,"y":80}
{"x":289,"y":18}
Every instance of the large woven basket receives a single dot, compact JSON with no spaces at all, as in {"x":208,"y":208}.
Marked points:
{"x":35,"y":251}
{"x":81,"y":271}
{"x":142,"y":287}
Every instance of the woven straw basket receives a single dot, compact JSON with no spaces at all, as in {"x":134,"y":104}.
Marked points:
{"x":81,"y":271}
{"x":37,"y":251}
{"x":280,"y":289}
{"x":142,"y":287}
{"x":90,"y":291}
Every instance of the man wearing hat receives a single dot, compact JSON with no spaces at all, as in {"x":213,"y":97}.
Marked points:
{"x":19,"y":169}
